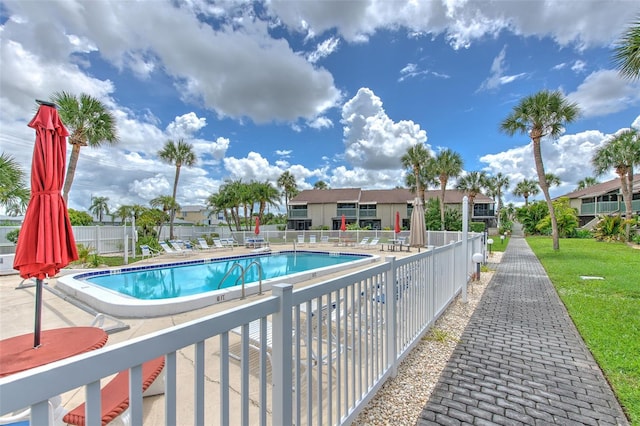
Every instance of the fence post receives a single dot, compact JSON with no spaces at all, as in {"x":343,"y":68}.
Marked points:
{"x":391,"y":290}
{"x":97,"y":240}
{"x":281,"y":356}
{"x":465,"y":245}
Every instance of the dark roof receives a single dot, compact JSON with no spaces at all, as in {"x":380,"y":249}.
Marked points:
{"x":380,"y":196}
{"x":599,"y":189}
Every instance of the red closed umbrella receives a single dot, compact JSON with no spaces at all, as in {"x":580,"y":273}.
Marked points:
{"x":343,"y":225}
{"x":397,"y":229}
{"x":46,"y":243}
{"x":257,"y":228}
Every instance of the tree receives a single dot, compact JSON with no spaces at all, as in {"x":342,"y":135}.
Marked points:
{"x":99,"y":207}
{"x":525,"y":189}
{"x":622,"y":153}
{"x":266,"y":195}
{"x":14,"y":193}
{"x":472,"y":184}
{"x":89,"y":122}
{"x":542,"y":115}
{"x":586,"y":182}
{"x":627,"y":52}
{"x":552,"y":180}
{"x":179,"y":154}
{"x":320,"y":184}
{"x":567,"y":218}
{"x":78,"y":218}
{"x":289,"y":188}
{"x":416,"y":159}
{"x":496,"y":184}
{"x":165,"y":203}
{"x":447,"y":164}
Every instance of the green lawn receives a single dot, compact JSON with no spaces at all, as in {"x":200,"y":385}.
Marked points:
{"x":606,"y":312}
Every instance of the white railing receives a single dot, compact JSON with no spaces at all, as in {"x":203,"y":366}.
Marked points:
{"x":316,"y":355}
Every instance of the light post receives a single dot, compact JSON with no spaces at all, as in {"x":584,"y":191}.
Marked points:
{"x":490,"y":243}
{"x":477,"y":259}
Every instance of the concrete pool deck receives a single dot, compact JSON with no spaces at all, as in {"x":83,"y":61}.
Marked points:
{"x":17,"y":316}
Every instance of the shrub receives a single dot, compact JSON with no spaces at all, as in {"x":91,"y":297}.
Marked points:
{"x":583,"y":233}
{"x":13,"y":235}
{"x":566,"y":217}
{"x":476,"y":226}
{"x":610,"y":228}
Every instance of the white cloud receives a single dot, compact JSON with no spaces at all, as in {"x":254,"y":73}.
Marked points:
{"x":324,"y":49}
{"x":186,"y":125}
{"x":578,"y":66}
{"x":373,"y":140}
{"x":605,"y":92}
{"x":321,"y":123}
{"x":569,"y":158}
{"x":496,"y":77}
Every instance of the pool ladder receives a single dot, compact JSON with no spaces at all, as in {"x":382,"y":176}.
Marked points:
{"x":242,"y":276}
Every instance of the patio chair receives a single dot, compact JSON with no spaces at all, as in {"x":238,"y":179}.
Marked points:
{"x":312,"y":239}
{"x":300,"y":240}
{"x":148,"y":251}
{"x":115,"y":395}
{"x":363,"y":242}
{"x":324,"y":239}
{"x":168,"y":250}
{"x":180,"y":247}
{"x":372,"y":244}
{"x":203,"y":245}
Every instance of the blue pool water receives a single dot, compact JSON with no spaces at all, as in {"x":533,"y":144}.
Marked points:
{"x":171,"y":281}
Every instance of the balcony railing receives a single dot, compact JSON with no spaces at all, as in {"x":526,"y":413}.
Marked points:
{"x":297,"y":213}
{"x":602,"y":207}
{"x":348,"y":212}
{"x":321,"y":354}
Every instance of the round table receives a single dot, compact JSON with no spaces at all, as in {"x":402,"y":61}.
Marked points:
{"x":18,"y":354}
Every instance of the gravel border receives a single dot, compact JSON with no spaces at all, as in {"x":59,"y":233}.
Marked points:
{"x":401,"y":399}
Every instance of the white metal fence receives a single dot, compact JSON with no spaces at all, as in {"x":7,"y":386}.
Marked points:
{"x":315,"y":355}
{"x":108,"y":239}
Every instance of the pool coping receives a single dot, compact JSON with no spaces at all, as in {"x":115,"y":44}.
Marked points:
{"x":119,"y":305}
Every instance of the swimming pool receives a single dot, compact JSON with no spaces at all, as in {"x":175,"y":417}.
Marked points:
{"x":156,"y":290}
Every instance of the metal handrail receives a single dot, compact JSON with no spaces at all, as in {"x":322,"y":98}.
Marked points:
{"x":242,"y":276}
{"x":255,"y":262}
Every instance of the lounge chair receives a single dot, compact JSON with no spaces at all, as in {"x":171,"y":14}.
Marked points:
{"x":115,"y":395}
{"x":312,"y":239}
{"x":167,"y":249}
{"x":372,"y":244}
{"x":219,"y":245}
{"x":300,"y":240}
{"x":179,"y":248}
{"x":363,"y":242}
{"x":324,"y":239}
{"x":148,"y":251}
{"x":203,"y":245}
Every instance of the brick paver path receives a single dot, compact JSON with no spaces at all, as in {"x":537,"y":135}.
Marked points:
{"x":521,"y":359}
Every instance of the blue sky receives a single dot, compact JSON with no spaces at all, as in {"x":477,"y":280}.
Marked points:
{"x":328,"y":90}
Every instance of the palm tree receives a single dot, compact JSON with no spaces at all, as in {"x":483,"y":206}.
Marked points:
{"x":627,"y":52}
{"x":265,"y":194}
{"x":496,"y":184}
{"x":416,"y":159}
{"x":320,"y":184}
{"x":552,"y":180}
{"x":99,"y":207}
{"x":447,"y":164}
{"x":89,"y":124}
{"x":14,"y":194}
{"x":587,"y":182}
{"x":287,"y":182}
{"x":472,"y":184}
{"x":166,"y":203}
{"x":542,"y":115}
{"x":622,"y":153}
{"x":179,"y":154}
{"x":526,"y":188}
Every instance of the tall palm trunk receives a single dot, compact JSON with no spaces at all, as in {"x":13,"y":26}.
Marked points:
{"x":443,"y":188}
{"x":626,"y":186}
{"x":173,"y":210}
{"x":537,"y":155}
{"x":71,"y":171}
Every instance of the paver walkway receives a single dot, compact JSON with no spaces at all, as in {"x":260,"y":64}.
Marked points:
{"x":521,"y":359}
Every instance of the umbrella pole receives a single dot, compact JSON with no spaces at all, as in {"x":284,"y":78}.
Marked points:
{"x":36,"y":333}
